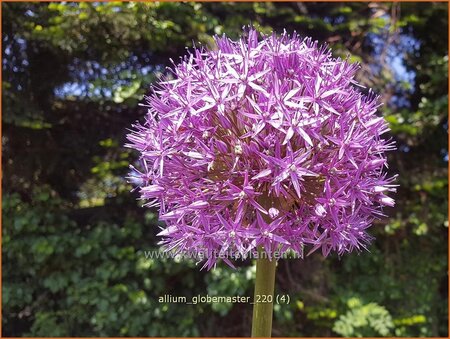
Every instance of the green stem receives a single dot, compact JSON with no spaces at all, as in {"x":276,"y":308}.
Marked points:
{"x":264,"y":295}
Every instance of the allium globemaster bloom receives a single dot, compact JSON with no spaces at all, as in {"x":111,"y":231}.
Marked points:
{"x":263,"y":141}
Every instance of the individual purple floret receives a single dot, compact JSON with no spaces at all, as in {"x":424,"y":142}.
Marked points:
{"x":263,"y":141}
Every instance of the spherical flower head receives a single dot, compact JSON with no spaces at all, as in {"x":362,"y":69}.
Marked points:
{"x":266,"y":141}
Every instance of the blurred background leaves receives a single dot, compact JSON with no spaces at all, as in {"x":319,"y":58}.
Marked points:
{"x":74,"y":236}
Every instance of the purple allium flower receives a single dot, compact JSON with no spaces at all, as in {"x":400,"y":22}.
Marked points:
{"x":263,"y":141}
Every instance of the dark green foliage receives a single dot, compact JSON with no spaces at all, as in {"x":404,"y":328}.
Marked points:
{"x":74,"y":237}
